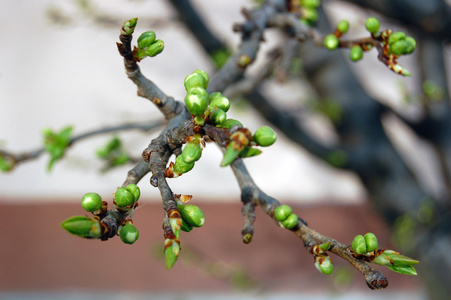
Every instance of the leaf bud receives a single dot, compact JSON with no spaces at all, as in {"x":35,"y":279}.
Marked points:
{"x":218,"y":116}
{"x":343,"y":26}
{"x":129,"y":26}
{"x":324,"y":264}
{"x":134,"y":189}
{"x":398,"y":48}
{"x":205,"y":76}
{"x":192,"y":214}
{"x":229,"y":123}
{"x":282,"y":212}
{"x":220,"y":102}
{"x":249,"y":152}
{"x":396,"y":36}
{"x":155,"y":49}
{"x":411,"y":45}
{"x":124,"y":198}
{"x":196,"y":103}
{"x":356,"y":53}
{"x":146,"y":39}
{"x":181,"y":167}
{"x":171,"y":255}
{"x":359,"y":245}
{"x":194,"y":80}
{"x":129,"y":234}
{"x":400,"y":260}
{"x":91,"y":202}
{"x":290,"y":222}
{"x":191,"y":152}
{"x":83,"y":226}
{"x":406,"y":270}
{"x":264,"y":136}
{"x":371,"y":242}
{"x":331,"y":42}
{"x":372,"y":25}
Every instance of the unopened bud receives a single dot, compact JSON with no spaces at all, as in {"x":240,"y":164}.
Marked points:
{"x":192,"y":214}
{"x":181,"y":167}
{"x":124,"y":198}
{"x":196,"y":103}
{"x":191,"y":152}
{"x":290,"y":222}
{"x":83,"y":226}
{"x":155,"y":49}
{"x":372,"y":25}
{"x":218,"y":116}
{"x":194,"y":80}
{"x":331,"y":42}
{"x":129,"y":234}
{"x":324,"y":264}
{"x":282,"y":212}
{"x":371,"y":242}
{"x":91,"y":202}
{"x":359,"y":245}
{"x":264,"y":136}
{"x":146,"y":39}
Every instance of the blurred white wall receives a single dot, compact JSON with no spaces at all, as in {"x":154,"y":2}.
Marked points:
{"x":53,"y":76}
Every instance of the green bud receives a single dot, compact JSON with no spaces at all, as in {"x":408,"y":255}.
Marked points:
{"x":192,"y":214}
{"x":325,"y":246}
{"x":411,"y":45}
{"x":398,"y":48}
{"x":399,"y":259}
{"x":218,"y":116}
{"x":282,"y":212}
{"x":229,"y":123}
{"x":324,"y":264}
{"x":290,"y":222}
{"x":371,"y":242}
{"x":406,"y":270}
{"x":356,"y":53}
{"x":191,"y":152}
{"x":230,"y":154}
{"x":83,"y":226}
{"x":194,"y":80}
{"x":372,"y":25}
{"x":155,"y":49}
{"x":343,"y":26}
{"x":171,"y":255}
{"x":124,"y":198}
{"x":359,"y":245}
{"x":396,"y":36}
{"x":264,"y":136}
{"x":382,"y":260}
{"x":129,"y":234}
{"x":220,"y":102}
{"x":6,"y":164}
{"x":181,"y":167}
{"x":186,"y":226}
{"x":134,"y":189}
{"x":129,"y":26}
{"x":196,"y":103}
{"x":213,"y":95}
{"x":146,"y":39}
{"x":400,"y":70}
{"x":311,"y":3}
{"x":249,"y":152}
{"x":205,"y":76}
{"x":331,"y":42}
{"x":91,"y":202}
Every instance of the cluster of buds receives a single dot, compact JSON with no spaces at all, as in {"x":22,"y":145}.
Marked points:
{"x":307,"y":9}
{"x":286,"y":218}
{"x":184,"y":218}
{"x":191,"y":153}
{"x":125,"y":199}
{"x":393,"y":44}
{"x":148,"y":45}
{"x":56,"y":143}
{"x":366,"y":247}
{"x":323,"y":262}
{"x":241,"y":143}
